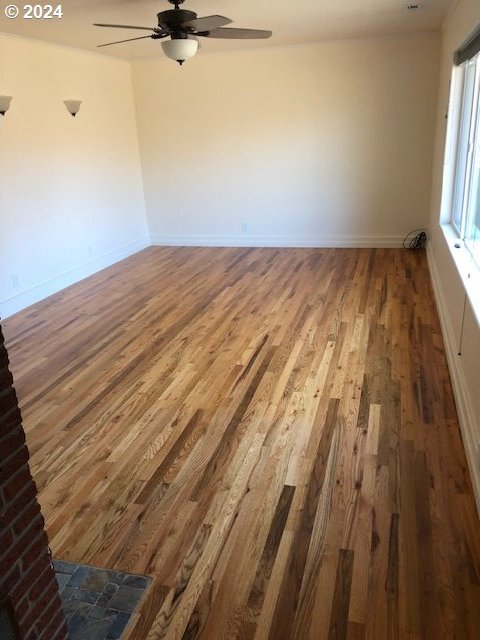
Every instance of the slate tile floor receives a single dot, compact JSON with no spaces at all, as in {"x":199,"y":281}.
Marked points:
{"x":98,"y":603}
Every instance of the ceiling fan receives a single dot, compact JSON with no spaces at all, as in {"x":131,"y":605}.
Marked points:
{"x":183,"y":27}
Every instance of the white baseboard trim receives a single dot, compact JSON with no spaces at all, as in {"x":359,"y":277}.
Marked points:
{"x":355,"y":242}
{"x":29,"y":296}
{"x":462,"y":399}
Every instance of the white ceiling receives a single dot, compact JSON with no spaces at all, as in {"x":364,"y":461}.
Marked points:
{"x":292,"y":21}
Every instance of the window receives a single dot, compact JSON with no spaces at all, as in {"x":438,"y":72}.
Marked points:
{"x":466,"y":197}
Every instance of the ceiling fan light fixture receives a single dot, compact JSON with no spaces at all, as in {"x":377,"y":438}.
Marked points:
{"x":180,"y":49}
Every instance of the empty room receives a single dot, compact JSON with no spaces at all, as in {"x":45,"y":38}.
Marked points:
{"x":240,"y":320}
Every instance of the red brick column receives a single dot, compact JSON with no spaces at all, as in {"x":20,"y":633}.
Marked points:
{"x":27,"y":581}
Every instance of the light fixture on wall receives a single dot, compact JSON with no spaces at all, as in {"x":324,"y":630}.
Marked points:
{"x":180,"y":48}
{"x":73,"y":106}
{"x":5,"y":104}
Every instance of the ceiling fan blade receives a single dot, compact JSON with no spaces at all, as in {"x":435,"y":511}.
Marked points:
{"x":237,"y":34}
{"x":108,"y":44}
{"x":209,"y":23}
{"x":123,"y":26}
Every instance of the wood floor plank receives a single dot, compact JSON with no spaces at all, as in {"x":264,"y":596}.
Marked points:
{"x":341,"y":599}
{"x":269,"y":433}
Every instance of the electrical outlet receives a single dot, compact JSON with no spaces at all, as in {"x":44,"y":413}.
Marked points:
{"x":244,"y":227}
{"x":15,"y":282}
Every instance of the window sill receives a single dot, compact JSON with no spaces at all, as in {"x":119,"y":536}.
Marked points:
{"x":466,"y":267}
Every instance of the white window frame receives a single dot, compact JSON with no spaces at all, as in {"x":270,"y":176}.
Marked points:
{"x":466,"y":150}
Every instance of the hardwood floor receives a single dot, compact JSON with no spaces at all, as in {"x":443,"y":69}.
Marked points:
{"x":269,"y":433}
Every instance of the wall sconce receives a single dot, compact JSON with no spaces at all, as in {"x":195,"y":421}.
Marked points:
{"x":5,"y":104}
{"x":73,"y":106}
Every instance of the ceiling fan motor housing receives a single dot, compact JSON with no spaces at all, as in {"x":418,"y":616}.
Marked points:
{"x":172,"y":20}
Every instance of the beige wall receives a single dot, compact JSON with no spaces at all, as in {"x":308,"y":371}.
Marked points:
{"x":71,"y":192}
{"x":327,"y":143}
{"x":315,"y":144}
{"x":450,"y":292}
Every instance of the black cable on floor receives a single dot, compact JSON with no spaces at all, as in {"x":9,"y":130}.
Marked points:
{"x":415,"y":240}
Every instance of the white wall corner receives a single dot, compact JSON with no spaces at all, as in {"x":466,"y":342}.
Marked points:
{"x":354,"y":242}
{"x":34,"y":294}
{"x":462,"y":398}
